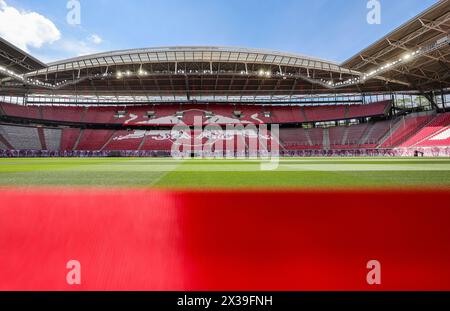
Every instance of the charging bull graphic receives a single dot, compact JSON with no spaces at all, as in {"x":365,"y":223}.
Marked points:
{"x":215,"y":141}
{"x":188,"y":116}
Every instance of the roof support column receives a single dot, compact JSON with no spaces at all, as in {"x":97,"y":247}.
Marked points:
{"x":186,"y":80}
{"x":25,"y":99}
{"x":430,"y":97}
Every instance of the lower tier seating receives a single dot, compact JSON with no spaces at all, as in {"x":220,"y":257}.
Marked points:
{"x":412,"y":131}
{"x":405,"y":128}
{"x":434,"y":133}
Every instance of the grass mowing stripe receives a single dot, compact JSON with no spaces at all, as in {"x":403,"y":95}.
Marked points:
{"x":200,"y":173}
{"x":307,"y":179}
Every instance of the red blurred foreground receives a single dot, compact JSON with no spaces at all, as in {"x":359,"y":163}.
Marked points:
{"x":169,"y":240}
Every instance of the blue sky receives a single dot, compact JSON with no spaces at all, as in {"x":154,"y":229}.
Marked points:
{"x":329,"y":29}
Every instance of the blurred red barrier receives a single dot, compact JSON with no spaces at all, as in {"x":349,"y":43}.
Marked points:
{"x":175,"y":240}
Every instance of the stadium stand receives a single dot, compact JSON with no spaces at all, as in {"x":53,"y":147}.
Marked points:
{"x":366,"y":135}
{"x":64,"y":114}
{"x":157,"y":140}
{"x":325,"y":113}
{"x":337,"y":135}
{"x":21,"y":137}
{"x":94,"y":139}
{"x":374,"y":109}
{"x":316,"y":136}
{"x":301,"y":139}
{"x":286,"y":115}
{"x":41,"y":136}
{"x":354,"y":136}
{"x":69,"y":138}
{"x":52,"y":139}
{"x":212,"y":113}
{"x":376,"y":132}
{"x":434,"y":133}
{"x":126,"y":140}
{"x":102,"y":115}
{"x":28,"y":112}
{"x":414,"y":130}
{"x":405,"y":128}
{"x":440,"y":139}
{"x":295,"y":139}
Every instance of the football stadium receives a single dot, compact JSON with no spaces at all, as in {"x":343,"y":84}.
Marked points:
{"x":173,"y":167}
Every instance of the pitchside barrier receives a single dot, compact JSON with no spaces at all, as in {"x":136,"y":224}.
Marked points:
{"x":147,"y":239}
{"x":393,"y":152}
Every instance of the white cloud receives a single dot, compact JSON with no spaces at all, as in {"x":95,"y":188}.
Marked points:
{"x":77,"y":48}
{"x":26,"y":29}
{"x":66,"y":48}
{"x":96,"y":39}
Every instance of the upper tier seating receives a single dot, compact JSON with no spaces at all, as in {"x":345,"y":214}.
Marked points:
{"x":171,"y":114}
{"x":29,"y":112}
{"x":67,"y":114}
{"x":373,"y":109}
{"x":325,"y":113}
{"x":286,"y":115}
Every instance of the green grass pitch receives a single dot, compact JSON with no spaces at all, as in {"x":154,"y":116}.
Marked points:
{"x":201,"y":174}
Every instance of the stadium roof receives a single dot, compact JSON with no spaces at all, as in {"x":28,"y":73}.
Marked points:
{"x":197,"y":71}
{"x":16,"y":60}
{"x":191,"y":53}
{"x":414,"y":57}
{"x":427,"y":32}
